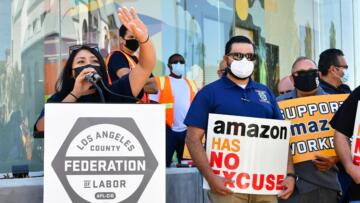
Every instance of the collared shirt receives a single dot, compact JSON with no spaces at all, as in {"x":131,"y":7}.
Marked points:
{"x":293,"y":94}
{"x":328,"y":88}
{"x":225,"y":97}
{"x":310,"y":178}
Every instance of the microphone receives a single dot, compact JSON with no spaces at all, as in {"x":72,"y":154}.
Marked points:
{"x":93,"y":77}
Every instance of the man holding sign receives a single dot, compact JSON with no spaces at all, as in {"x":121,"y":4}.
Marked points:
{"x":346,"y":127}
{"x":235,"y":94}
{"x":317,"y":173}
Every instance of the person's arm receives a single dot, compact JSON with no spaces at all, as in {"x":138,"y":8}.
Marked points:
{"x":289,"y":182}
{"x":39,"y":126}
{"x":342,"y":148}
{"x":139,"y":75}
{"x":150,"y":86}
{"x":197,"y":152}
{"x":81,"y":88}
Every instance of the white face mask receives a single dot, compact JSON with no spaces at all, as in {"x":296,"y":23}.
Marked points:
{"x":242,"y":69}
{"x":345,"y":77}
{"x":178,"y":69}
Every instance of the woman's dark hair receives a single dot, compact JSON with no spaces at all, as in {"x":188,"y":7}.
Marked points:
{"x":65,"y":84}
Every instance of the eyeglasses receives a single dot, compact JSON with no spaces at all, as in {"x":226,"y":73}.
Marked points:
{"x":178,"y":61}
{"x":80,"y":46}
{"x":311,"y":72}
{"x":240,"y":56}
{"x":342,"y":66}
{"x":284,"y":92}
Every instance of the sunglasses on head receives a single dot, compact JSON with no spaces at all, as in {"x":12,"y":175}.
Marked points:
{"x":178,"y":61}
{"x":80,"y":46}
{"x":240,"y":56}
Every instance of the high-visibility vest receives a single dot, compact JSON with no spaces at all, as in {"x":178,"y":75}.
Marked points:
{"x":132,"y":64}
{"x":166,"y":96}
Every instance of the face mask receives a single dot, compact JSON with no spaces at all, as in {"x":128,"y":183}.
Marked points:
{"x":345,"y":77}
{"x":132,"y":44}
{"x":306,"y":81}
{"x":242,"y":69}
{"x":178,"y":69}
{"x":78,"y":70}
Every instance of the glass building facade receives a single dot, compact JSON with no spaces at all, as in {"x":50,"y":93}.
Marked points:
{"x":35,"y":36}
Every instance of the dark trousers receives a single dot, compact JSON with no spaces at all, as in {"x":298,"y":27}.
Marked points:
{"x":175,"y":141}
{"x":320,"y":195}
{"x":345,"y":182}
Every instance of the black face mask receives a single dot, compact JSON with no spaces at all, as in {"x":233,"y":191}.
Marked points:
{"x":79,"y":69}
{"x":132,"y":44}
{"x":306,"y":81}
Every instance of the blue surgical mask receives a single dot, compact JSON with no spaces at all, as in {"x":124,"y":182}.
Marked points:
{"x":345,"y":77}
{"x":178,"y":69}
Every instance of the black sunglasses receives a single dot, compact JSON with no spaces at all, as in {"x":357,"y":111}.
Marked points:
{"x":284,"y":92}
{"x":342,"y":66}
{"x":179,"y":61}
{"x":311,"y":72}
{"x":240,"y":56}
{"x":79,"y":46}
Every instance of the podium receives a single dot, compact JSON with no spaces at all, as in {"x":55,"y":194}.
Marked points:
{"x":104,"y":153}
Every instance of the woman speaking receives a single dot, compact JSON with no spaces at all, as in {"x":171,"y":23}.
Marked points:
{"x":84,"y":78}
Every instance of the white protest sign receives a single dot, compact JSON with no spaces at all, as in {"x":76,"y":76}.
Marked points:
{"x":252,"y":152}
{"x":355,"y":144}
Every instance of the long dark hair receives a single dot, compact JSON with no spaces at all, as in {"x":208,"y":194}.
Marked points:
{"x":65,"y":84}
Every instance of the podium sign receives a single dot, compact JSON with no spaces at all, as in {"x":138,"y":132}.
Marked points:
{"x":104,"y":153}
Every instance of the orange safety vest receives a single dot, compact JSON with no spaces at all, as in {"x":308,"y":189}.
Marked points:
{"x":166,"y":97}
{"x":132,"y":64}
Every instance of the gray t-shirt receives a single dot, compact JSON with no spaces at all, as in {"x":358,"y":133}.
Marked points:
{"x":310,"y":178}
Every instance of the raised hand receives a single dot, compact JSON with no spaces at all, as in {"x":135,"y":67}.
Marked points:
{"x":132,"y":22}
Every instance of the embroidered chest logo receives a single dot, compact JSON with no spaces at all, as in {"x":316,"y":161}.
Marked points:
{"x":263,"y":96}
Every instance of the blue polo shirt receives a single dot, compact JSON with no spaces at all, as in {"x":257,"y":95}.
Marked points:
{"x":225,"y":97}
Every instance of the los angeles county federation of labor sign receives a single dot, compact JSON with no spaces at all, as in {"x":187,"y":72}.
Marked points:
{"x":104,"y":153}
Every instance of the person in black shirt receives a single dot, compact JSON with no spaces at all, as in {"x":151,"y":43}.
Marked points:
{"x":334,"y":72}
{"x":343,"y":123}
{"x":121,"y":61}
{"x":86,"y":59}
{"x":334,"y":75}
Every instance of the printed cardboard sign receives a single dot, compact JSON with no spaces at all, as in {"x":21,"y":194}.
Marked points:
{"x":311,"y":133}
{"x":252,"y":152}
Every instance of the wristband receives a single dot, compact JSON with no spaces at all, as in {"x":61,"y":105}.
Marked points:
{"x":74,"y":96}
{"x":293,"y":175}
{"x":147,"y":39}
